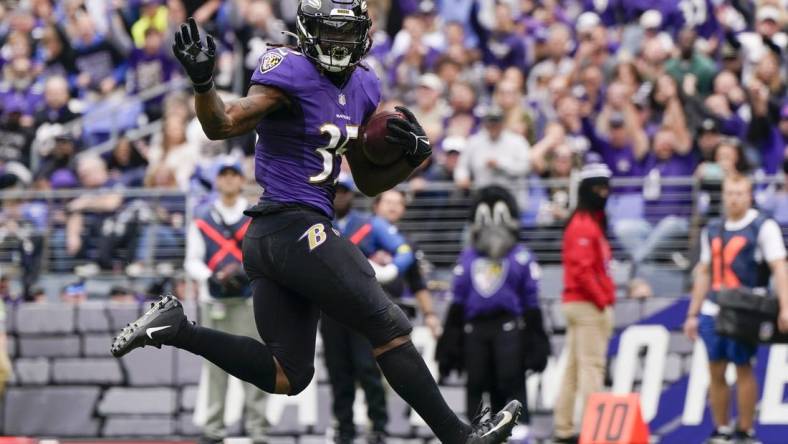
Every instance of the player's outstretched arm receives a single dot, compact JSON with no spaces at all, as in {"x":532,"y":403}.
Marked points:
{"x":372,"y":179}
{"x":219,"y":120}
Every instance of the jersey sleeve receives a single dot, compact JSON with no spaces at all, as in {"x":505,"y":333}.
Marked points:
{"x":770,"y":241}
{"x":279,"y":67}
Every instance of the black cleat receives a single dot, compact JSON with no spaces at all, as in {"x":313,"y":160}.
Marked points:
{"x":156,"y":327}
{"x":497,"y":429}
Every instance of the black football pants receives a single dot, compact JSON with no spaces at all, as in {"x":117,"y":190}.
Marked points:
{"x":299,"y":267}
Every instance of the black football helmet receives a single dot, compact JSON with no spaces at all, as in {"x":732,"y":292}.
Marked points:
{"x":334,"y":34}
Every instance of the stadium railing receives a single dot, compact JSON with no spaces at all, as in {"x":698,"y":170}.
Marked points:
{"x":108,"y":112}
{"x":435,"y":221}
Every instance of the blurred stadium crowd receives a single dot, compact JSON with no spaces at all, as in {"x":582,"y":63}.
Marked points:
{"x":516,"y":93}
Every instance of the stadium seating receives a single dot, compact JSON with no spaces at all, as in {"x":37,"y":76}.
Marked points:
{"x":154,"y":392}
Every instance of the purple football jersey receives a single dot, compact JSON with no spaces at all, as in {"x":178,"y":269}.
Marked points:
{"x":298,"y":153}
{"x":483,"y":286}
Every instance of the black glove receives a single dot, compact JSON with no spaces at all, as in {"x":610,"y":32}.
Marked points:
{"x":408,"y":134}
{"x":197,"y":61}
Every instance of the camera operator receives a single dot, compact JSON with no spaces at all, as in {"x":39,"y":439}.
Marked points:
{"x":739,"y":251}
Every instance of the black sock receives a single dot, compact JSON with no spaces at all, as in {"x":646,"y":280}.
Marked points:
{"x":243,"y":357}
{"x":409,"y":376}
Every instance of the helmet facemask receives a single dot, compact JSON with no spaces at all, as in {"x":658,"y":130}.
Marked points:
{"x":336,"y":42}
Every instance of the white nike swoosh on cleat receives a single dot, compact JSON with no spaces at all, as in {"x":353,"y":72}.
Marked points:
{"x":152,"y":330}
{"x":507,"y":418}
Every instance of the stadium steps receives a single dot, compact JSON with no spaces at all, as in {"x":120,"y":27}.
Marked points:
{"x":92,"y":317}
{"x":59,"y":411}
{"x":139,"y":426}
{"x":188,"y":367}
{"x":149,"y":366}
{"x":96,"y":371}
{"x":158,"y":388}
{"x":31,"y":371}
{"x":45,"y":319}
{"x":138,"y":401}
{"x":96,"y":345}
{"x":49,"y":346}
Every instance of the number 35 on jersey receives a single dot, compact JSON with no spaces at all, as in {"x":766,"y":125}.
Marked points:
{"x":337,"y":145}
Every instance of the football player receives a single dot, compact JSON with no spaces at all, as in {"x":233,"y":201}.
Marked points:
{"x":307,"y":105}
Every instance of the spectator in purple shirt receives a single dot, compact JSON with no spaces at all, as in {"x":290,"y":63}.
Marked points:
{"x":19,"y":92}
{"x":101,"y":66}
{"x":17,"y":98}
{"x":501,"y":46}
{"x":622,"y":150}
{"x":667,"y":206}
{"x":150,"y":66}
{"x":625,"y":146}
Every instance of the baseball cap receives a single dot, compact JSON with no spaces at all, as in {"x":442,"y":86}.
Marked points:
{"x":432,"y":82}
{"x":454,"y":144}
{"x":595,"y":171}
{"x":651,"y":19}
{"x":767,"y":12}
{"x":586,"y":22}
{"x":229,"y":163}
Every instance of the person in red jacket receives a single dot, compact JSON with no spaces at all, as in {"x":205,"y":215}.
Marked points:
{"x":587,"y":300}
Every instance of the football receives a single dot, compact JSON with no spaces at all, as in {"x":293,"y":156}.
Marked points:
{"x":373,"y":139}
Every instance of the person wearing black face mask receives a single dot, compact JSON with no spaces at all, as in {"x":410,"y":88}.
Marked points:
{"x":589,"y":294}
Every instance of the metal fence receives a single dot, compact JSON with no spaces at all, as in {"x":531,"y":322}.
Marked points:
{"x":147,"y":229}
